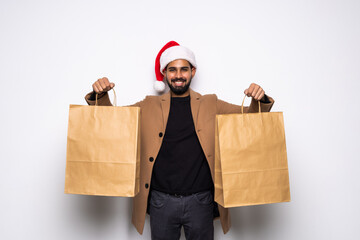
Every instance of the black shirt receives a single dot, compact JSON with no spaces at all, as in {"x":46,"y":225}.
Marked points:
{"x":181,"y":166}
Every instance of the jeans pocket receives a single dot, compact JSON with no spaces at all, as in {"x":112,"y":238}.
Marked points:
{"x":204,"y":198}
{"x":158,"y":199}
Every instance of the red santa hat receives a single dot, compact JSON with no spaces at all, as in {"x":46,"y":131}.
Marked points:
{"x":170,"y":52}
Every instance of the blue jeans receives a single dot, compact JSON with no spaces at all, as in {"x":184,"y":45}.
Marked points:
{"x":168,"y":213}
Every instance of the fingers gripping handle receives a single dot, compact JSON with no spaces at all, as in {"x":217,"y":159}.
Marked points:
{"x":114,"y":101}
{"x":242,"y":105}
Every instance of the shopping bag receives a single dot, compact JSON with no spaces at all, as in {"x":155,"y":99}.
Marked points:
{"x":103,"y":150}
{"x":250,"y":159}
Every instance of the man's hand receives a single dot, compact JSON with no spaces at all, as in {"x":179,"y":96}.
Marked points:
{"x":255,"y":91}
{"x":102,"y":85}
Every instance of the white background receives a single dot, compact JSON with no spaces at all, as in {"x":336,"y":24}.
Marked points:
{"x":305,"y":54}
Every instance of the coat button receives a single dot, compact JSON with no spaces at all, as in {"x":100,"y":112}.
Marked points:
{"x":151,"y":159}
{"x":160,"y":134}
{"x":146,"y":185}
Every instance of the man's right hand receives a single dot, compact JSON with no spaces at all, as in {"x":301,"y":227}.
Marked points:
{"x":102,"y":85}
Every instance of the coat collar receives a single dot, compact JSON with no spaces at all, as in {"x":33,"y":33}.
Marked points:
{"x":194,"y":103}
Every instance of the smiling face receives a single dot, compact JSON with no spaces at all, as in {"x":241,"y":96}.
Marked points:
{"x":178,"y":75}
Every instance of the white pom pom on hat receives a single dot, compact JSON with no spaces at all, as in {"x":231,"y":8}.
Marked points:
{"x":159,"y":86}
{"x":170,"y":52}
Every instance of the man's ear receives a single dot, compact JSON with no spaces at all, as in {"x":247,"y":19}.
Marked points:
{"x":193,"y":71}
{"x":165,"y":69}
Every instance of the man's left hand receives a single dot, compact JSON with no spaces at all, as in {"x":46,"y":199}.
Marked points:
{"x":255,"y":91}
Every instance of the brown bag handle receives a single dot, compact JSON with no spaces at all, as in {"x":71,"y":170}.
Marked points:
{"x":114,"y":101}
{"x":242,"y":105}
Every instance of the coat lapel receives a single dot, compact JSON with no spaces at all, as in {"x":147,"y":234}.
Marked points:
{"x":195,"y":104}
{"x":165,"y":107}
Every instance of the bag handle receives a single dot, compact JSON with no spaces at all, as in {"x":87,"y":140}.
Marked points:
{"x":242,"y":105}
{"x":114,"y":102}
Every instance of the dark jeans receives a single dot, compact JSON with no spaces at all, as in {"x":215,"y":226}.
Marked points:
{"x":169,"y":213}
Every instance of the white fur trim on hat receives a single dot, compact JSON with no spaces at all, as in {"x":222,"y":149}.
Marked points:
{"x":174,"y":53}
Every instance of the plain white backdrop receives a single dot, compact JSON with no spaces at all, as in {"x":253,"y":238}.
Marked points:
{"x":305,"y":54}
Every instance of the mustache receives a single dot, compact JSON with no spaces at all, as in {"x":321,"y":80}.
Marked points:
{"x":178,"y":79}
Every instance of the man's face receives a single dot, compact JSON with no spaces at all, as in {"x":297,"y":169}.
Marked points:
{"x":178,"y":75}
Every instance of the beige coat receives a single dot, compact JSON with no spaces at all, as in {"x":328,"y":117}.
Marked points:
{"x":154,"y":115}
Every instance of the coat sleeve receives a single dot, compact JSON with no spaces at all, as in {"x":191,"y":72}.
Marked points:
{"x":104,"y":100}
{"x":223,"y":107}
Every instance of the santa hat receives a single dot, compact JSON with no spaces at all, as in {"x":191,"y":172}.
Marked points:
{"x":170,"y":52}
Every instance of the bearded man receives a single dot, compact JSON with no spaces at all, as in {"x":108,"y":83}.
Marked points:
{"x":178,"y":149}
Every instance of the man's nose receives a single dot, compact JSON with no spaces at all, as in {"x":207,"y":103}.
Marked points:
{"x":178,"y":74}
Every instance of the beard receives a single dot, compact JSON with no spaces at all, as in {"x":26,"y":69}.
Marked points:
{"x":178,"y":90}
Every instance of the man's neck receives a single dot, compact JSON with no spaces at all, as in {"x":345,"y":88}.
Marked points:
{"x":185,"y":94}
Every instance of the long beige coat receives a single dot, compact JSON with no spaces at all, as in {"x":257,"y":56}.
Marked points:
{"x":154,"y":115}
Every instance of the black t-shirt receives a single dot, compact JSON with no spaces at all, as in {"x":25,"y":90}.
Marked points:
{"x":181,"y":166}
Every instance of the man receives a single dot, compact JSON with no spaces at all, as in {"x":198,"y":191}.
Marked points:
{"x":177,"y":149}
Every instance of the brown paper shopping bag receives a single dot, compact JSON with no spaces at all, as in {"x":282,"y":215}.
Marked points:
{"x":250,"y":159}
{"x":103,"y":150}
